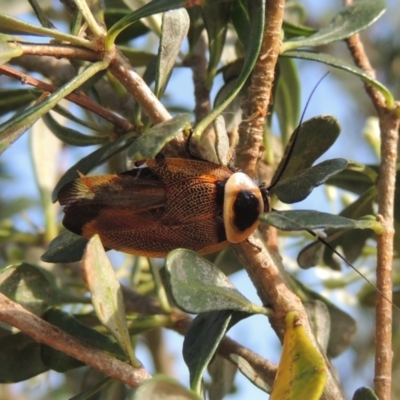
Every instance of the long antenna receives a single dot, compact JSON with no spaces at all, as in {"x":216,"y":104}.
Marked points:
{"x":282,"y":169}
{"x":293,"y":139}
{"x":330,"y":247}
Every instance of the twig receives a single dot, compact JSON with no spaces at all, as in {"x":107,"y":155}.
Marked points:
{"x":198,"y":63}
{"x":15,"y":315}
{"x":180,"y":323}
{"x":259,"y":92}
{"x":77,"y":98}
{"x":389,"y":125}
{"x":59,"y":51}
{"x":264,"y":268}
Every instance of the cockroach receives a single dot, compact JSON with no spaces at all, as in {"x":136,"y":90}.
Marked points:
{"x":170,"y":203}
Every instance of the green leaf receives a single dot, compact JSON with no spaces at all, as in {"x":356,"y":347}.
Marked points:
{"x":106,"y":294}
{"x":61,"y":362}
{"x":346,"y":23}
{"x":154,"y":7}
{"x":343,"y":327}
{"x":92,"y":160}
{"x":175,"y":26}
{"x":201,"y":341}
{"x":45,"y":151}
{"x":241,"y":20}
{"x":216,"y":17}
{"x":256,"y":376}
{"x":320,"y":322}
{"x":20,"y":358}
{"x":299,"y":186}
{"x":8,"y":51}
{"x":301,"y":372}
{"x":163,"y":388}
{"x":103,"y":385}
{"x":14,"y":99}
{"x":256,"y":11}
{"x":222,"y":147}
{"x":196,"y":285}
{"x":345,"y":66}
{"x":88,"y":124}
{"x":287,"y":98}
{"x":196,"y":27}
{"x":12,"y":129}
{"x":15,"y":26}
{"x":351,"y":242}
{"x":65,"y":248}
{"x":41,"y":15}
{"x":113,"y":15}
{"x":313,"y":139}
{"x":28,"y":286}
{"x":365,"y":393}
{"x":151,"y":142}
{"x":72,"y":136}
{"x":297,"y":220}
{"x":356,"y":178}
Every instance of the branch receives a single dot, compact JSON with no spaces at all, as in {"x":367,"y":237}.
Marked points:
{"x":259,"y":93}
{"x":43,"y":332}
{"x":77,"y":98}
{"x":389,"y":125}
{"x":180,"y":323}
{"x":264,"y":268}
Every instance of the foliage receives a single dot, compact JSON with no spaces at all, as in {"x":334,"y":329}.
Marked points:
{"x":96,"y":98}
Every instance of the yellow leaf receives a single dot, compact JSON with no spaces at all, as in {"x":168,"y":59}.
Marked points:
{"x":301,"y":371}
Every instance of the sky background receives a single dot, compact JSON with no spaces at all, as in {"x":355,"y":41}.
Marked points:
{"x":330,"y":98}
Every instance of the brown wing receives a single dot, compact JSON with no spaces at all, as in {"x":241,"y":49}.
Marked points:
{"x":173,"y":203}
{"x":114,"y":190}
{"x":145,"y":234}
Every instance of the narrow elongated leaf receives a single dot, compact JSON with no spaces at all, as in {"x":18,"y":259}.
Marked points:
{"x":13,"y":99}
{"x":151,"y":142}
{"x":41,"y":15}
{"x":345,"y":66}
{"x":12,"y":129}
{"x":198,"y":286}
{"x":154,"y":7}
{"x":72,"y":136}
{"x":92,"y":160}
{"x":287,"y":98}
{"x":299,"y":186}
{"x":163,"y":388}
{"x":241,"y":20}
{"x":346,"y":23}
{"x":314,"y":138}
{"x":257,"y":13}
{"x":301,"y":371}
{"x":15,"y":26}
{"x":28,"y":286}
{"x":175,"y":26}
{"x":106,"y":294}
{"x":113,"y":15}
{"x":309,"y":220}
{"x":65,"y":248}
{"x":216,"y":17}
{"x":20,"y":358}
{"x":45,"y":151}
